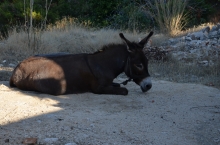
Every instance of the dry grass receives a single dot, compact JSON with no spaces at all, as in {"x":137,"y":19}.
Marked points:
{"x":169,"y":15}
{"x":176,"y":71}
{"x":195,"y":29}
{"x":71,"y":39}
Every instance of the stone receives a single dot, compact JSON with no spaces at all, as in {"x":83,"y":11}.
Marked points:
{"x":30,"y":141}
{"x":214,"y":28}
{"x":11,"y":65}
{"x":206,"y":34}
{"x":218,"y":26}
{"x":213,"y":33}
{"x":204,"y":63}
{"x":171,"y":40}
{"x":206,"y":29}
{"x":193,"y":37}
{"x":188,"y":38}
{"x":193,"y":42}
{"x":196,"y":46}
{"x":199,"y":35}
{"x":219,"y":32}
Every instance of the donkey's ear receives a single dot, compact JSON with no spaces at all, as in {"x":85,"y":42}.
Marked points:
{"x":145,"y":40}
{"x":126,"y":41}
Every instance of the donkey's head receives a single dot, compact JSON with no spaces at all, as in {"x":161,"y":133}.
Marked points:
{"x":137,"y":63}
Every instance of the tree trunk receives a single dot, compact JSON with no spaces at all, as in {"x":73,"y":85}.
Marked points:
{"x":31,"y":18}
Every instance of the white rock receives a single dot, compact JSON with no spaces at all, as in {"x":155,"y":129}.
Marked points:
{"x":193,"y":42}
{"x":198,"y":35}
{"x":189,"y":34}
{"x":199,"y":41}
{"x":4,"y":61}
{"x":193,"y":37}
{"x":188,"y":38}
{"x":206,"y":34}
{"x":11,"y":65}
{"x":219,"y":32}
{"x":204,"y":63}
{"x":213,"y":33}
{"x":171,"y":40}
{"x":214,"y":28}
{"x":206,"y":29}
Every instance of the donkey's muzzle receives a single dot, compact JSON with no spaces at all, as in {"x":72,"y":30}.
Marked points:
{"x":146,"y":84}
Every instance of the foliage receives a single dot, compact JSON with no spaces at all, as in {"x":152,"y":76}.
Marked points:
{"x":199,"y":11}
{"x":118,"y":14}
{"x":99,"y":11}
{"x":10,"y":14}
{"x":130,"y":16}
{"x":169,"y":15}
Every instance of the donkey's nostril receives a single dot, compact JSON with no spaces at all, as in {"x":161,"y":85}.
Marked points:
{"x":148,"y":86}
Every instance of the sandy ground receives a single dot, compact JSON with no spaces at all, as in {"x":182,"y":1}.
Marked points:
{"x":169,"y":114}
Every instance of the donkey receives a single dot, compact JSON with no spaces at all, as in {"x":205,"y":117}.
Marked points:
{"x":78,"y":73}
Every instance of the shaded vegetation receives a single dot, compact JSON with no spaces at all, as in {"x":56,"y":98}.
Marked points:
{"x":117,"y":14}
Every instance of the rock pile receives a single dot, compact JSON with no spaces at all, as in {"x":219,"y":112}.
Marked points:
{"x":202,"y":47}
{"x":156,"y":53}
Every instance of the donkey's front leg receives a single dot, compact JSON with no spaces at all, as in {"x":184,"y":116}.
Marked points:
{"x":115,"y":84}
{"x":111,"y":90}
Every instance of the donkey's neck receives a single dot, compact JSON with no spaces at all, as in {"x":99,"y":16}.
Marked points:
{"x":112,"y":59}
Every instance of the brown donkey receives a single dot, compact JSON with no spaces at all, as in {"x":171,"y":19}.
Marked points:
{"x":58,"y":74}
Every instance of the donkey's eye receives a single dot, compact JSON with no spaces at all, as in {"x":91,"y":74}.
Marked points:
{"x":139,"y":66}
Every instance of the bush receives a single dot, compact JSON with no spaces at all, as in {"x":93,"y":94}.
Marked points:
{"x":200,"y":10}
{"x":130,"y":16}
{"x":169,"y":15}
{"x":10,"y":14}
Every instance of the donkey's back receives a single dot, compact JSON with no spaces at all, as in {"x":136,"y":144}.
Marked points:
{"x":53,"y":74}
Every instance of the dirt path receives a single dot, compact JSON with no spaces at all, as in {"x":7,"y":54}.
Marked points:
{"x":169,"y":114}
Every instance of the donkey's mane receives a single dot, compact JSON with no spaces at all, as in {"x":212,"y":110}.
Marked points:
{"x":112,"y":45}
{"x":109,"y":46}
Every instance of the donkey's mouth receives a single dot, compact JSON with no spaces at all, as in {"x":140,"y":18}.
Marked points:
{"x":146,"y":88}
{"x":146,"y":84}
